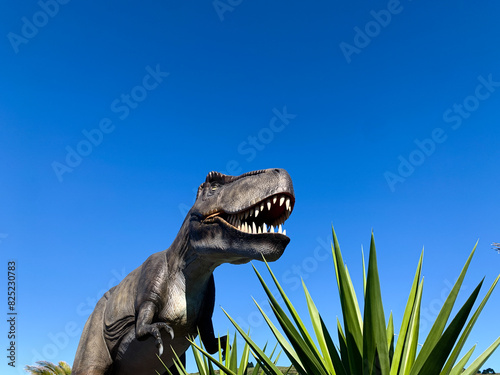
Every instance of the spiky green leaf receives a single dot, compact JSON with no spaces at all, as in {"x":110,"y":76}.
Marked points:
{"x":441,"y":320}
{"x":404,"y":330}
{"x":476,"y":365}
{"x":375,"y":349}
{"x":465,"y":334}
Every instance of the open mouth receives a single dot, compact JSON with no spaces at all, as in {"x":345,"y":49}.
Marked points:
{"x":266,"y":216}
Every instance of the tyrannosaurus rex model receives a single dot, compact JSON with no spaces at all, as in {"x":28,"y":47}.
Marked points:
{"x":171,"y":295}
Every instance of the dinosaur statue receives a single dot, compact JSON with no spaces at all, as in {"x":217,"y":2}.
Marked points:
{"x":171,"y":296}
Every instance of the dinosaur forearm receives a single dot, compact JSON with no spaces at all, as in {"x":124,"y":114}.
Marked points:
{"x":145,"y":317}
{"x":207,"y":336}
{"x":209,"y":340}
{"x":145,"y":326}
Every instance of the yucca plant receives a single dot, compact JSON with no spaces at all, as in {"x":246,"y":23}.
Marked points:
{"x":366,"y":344}
{"x":227,"y":362}
{"x":49,"y":368}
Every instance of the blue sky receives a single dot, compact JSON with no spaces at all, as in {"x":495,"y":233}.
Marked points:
{"x":385,"y":114}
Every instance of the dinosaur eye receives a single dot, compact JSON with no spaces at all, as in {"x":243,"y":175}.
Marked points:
{"x":212,"y":188}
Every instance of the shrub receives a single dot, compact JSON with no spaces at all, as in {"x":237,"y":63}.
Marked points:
{"x":366,"y":344}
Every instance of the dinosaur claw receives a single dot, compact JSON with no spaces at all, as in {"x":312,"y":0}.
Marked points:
{"x":160,"y":350}
{"x":169,"y":330}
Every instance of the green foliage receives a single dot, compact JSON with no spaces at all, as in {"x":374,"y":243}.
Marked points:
{"x":366,"y":344}
{"x":228,"y":364}
{"x":49,"y":368}
{"x":488,"y":371}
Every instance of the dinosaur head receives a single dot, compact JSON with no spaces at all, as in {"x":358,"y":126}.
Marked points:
{"x":236,"y":219}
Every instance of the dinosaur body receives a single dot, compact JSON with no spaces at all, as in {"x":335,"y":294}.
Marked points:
{"x":172,"y":294}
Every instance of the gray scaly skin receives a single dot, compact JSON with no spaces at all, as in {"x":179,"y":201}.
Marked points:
{"x":171,"y":295}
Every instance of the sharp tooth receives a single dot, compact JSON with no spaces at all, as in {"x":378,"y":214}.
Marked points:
{"x":259,"y":230}
{"x":254,"y":228}
{"x":262,"y":206}
{"x":282,"y":199}
{"x":251,"y":212}
{"x":268,"y":205}
{"x":271,"y":230}
{"x":287,"y":203}
{"x":247,"y":213}
{"x":256,"y":211}
{"x":245,"y":227}
{"x":280,"y":229}
{"x":275,"y":199}
{"x":249,"y":228}
{"x":264,"y":228}
{"x":284,"y":232}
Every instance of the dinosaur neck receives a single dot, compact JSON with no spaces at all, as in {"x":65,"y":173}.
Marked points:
{"x":187,"y":260}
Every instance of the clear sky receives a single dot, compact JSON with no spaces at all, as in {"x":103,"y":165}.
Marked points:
{"x":385,"y":114}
